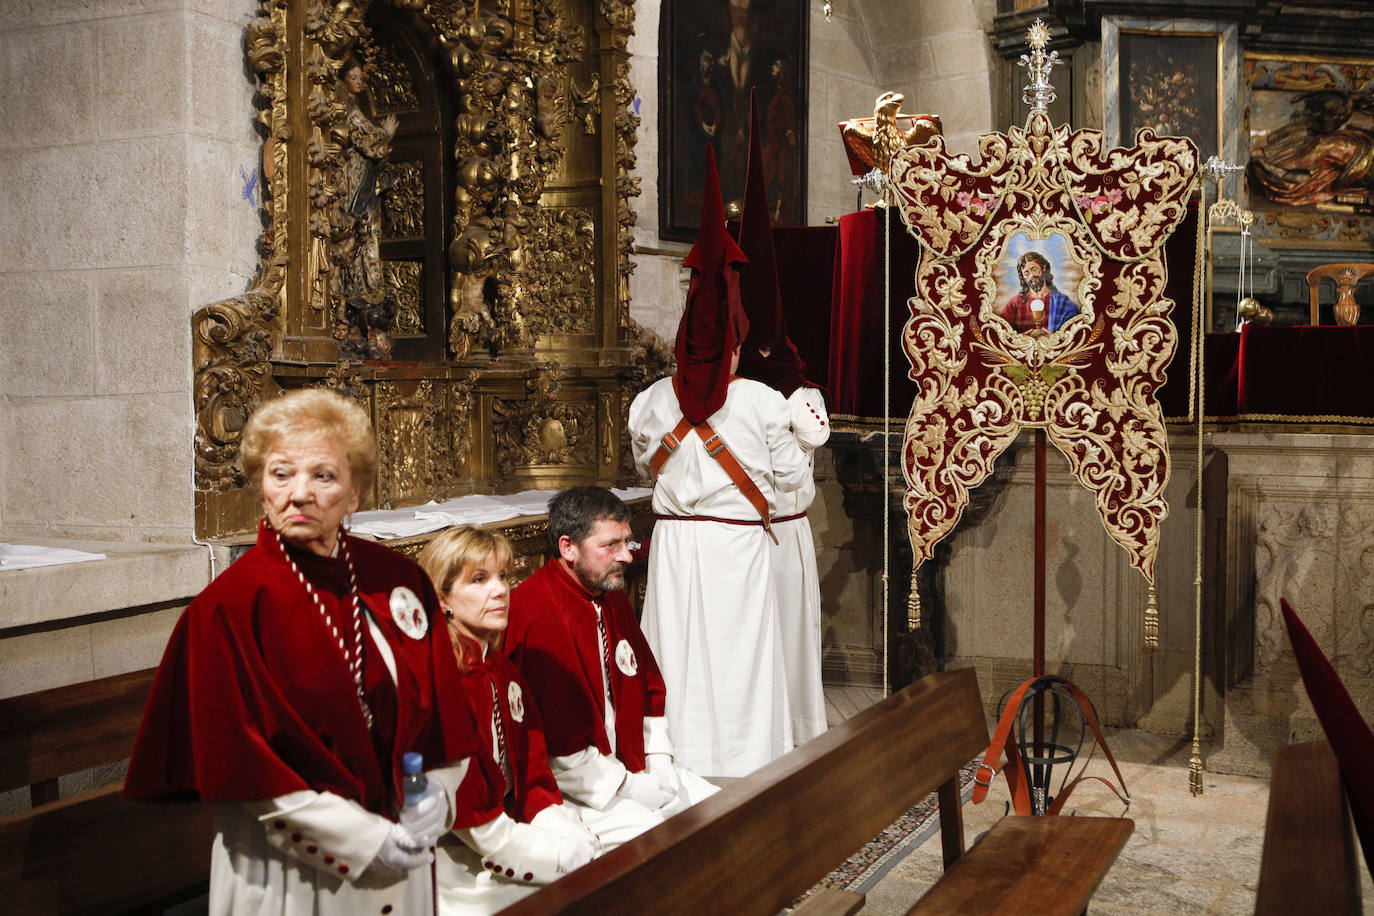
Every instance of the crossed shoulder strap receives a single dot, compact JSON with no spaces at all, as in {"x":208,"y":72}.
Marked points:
{"x":717,"y":449}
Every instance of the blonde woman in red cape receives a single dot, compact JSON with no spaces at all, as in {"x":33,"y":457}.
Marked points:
{"x":512,"y":833}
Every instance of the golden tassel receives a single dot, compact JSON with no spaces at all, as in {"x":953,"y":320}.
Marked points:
{"x":1195,"y":769}
{"x":913,"y":606}
{"x":1152,"y":620}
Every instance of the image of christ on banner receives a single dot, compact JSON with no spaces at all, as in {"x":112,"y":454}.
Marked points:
{"x":1032,"y":278}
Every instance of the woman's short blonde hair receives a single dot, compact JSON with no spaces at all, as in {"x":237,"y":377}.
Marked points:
{"x":307,"y":413}
{"x":456,"y":550}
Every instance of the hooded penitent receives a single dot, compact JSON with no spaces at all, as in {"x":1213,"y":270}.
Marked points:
{"x":713,"y":323}
{"x":783,"y":368}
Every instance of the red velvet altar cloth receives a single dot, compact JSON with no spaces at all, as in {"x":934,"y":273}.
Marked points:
{"x":831,"y":280}
{"x":1223,"y":351}
{"x":806,"y":275}
{"x":1306,"y":374}
{"x":855,"y":376}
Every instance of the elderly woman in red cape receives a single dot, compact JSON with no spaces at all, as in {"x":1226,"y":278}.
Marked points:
{"x":295,"y":683}
{"x":512,"y":833}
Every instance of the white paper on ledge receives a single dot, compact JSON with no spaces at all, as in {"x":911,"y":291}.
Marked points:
{"x":475,"y":509}
{"x":27,"y":556}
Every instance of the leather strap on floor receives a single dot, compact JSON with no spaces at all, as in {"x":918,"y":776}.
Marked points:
{"x":1014,"y":768}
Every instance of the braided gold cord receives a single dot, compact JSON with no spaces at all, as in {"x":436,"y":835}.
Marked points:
{"x":887,"y":420}
{"x":1152,"y":620}
{"x":1200,"y":293}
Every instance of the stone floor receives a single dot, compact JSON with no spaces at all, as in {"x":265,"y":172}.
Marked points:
{"x":1187,"y":855}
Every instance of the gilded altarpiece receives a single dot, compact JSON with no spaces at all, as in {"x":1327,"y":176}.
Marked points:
{"x":446,"y":240}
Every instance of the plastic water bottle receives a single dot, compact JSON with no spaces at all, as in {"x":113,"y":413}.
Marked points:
{"x":414,"y":782}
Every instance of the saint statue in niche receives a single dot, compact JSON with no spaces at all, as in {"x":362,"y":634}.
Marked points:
{"x":1032,"y":300}
{"x":364,"y":303}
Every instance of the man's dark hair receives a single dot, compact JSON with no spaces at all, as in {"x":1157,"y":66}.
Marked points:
{"x":576,"y":510}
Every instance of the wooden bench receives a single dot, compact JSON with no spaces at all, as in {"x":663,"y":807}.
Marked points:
{"x":1310,"y":860}
{"x":764,"y":840}
{"x":94,"y":852}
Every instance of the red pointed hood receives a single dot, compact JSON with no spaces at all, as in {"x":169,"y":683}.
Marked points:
{"x":783,"y":368}
{"x":713,"y":323}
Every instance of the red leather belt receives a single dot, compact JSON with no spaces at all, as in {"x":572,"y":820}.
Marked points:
{"x":730,"y":521}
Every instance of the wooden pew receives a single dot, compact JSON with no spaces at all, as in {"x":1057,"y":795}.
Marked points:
{"x":1310,"y":861}
{"x":95,"y":852}
{"x":762,"y":841}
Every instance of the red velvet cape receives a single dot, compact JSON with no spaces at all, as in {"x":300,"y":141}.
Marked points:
{"x":552,"y":639}
{"x":253,"y":698}
{"x":483,"y":793}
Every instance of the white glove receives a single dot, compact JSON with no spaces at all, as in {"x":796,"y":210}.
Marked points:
{"x":646,"y":790}
{"x":575,"y":849}
{"x":660,"y":766}
{"x":401,"y":852}
{"x":560,"y":819}
{"x":425,"y":820}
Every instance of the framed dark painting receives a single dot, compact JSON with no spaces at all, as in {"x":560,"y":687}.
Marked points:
{"x":712,"y":54}
{"x":1171,"y":83}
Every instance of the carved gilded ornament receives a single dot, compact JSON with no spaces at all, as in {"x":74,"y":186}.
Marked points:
{"x":1039,"y":302}
{"x":403,"y":280}
{"x":408,"y":444}
{"x":525,"y":81}
{"x":403,"y":208}
{"x":231,"y":341}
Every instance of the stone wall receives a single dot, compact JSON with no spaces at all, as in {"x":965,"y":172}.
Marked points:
{"x":1302,"y":528}
{"x":129,"y":181}
{"x":128,"y":175}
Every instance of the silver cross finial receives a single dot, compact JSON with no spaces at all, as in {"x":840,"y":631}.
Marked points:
{"x":1038,"y":64}
{"x":1216,"y":168}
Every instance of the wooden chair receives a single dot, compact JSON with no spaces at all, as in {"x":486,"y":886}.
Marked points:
{"x":1345,"y":276}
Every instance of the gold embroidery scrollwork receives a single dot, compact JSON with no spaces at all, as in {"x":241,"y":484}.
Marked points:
{"x":1090,"y":381}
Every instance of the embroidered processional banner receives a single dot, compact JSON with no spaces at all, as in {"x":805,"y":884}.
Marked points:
{"x":1040,"y":303}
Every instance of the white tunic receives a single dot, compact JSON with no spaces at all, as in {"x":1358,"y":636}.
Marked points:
{"x":710,"y":609}
{"x":311,"y":853}
{"x":794,"y":572}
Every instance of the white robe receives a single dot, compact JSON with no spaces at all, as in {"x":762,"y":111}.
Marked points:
{"x":796,"y":579}
{"x":710,"y":609}
{"x":311,"y":853}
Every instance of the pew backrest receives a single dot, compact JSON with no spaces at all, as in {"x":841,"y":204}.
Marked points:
{"x":758,"y":844}
{"x":1309,"y":863}
{"x":93,"y":853}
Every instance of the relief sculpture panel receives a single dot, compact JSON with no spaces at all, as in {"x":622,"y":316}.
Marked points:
{"x":1319,"y":554}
